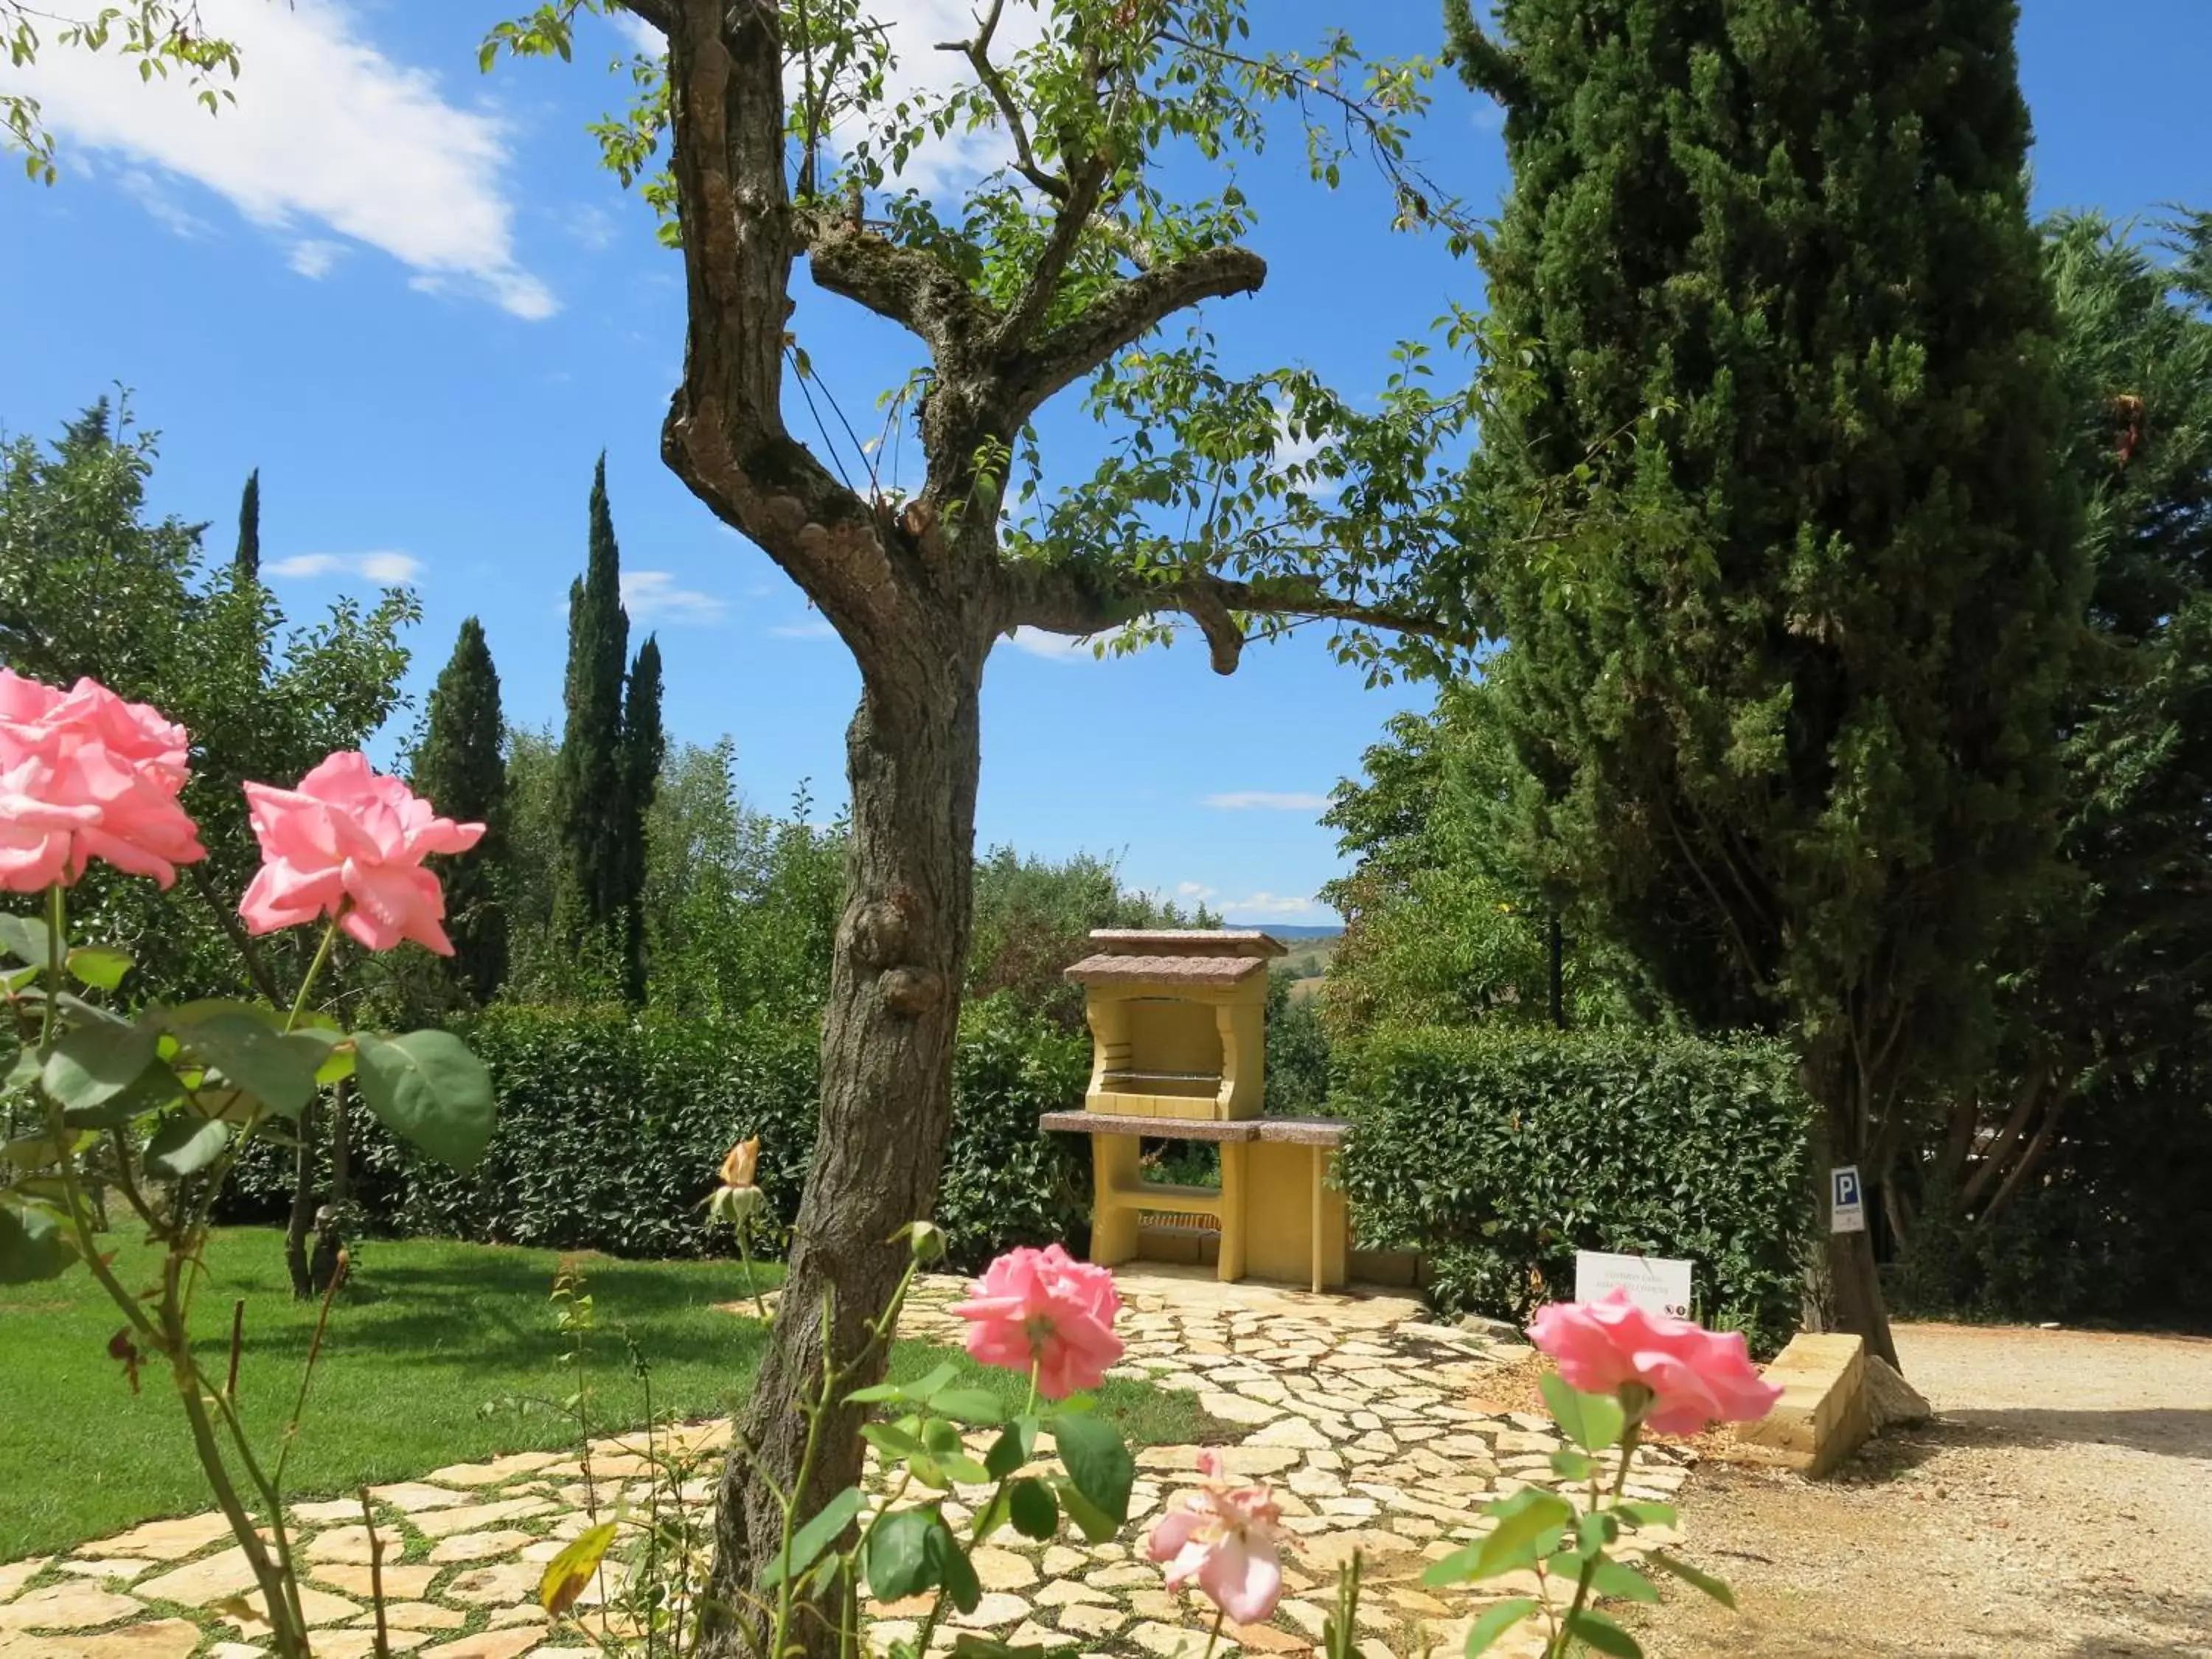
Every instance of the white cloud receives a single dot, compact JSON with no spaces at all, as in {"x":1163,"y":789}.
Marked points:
{"x":142,"y":187}
{"x":326,"y":130}
{"x":914,"y":27}
{"x":1260,"y":906}
{"x":312,"y":258}
{"x":1266,"y":801}
{"x":1060,"y":647}
{"x":388,"y":567}
{"x":1265,"y":906}
{"x":814,"y":628}
{"x":652,"y":595}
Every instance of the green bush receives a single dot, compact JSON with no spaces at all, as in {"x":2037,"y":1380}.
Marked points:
{"x":1500,"y":1154}
{"x":611,"y":1128}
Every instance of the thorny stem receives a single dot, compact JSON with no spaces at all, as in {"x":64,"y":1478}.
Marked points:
{"x":1563,"y":1631}
{"x":745,"y":1256}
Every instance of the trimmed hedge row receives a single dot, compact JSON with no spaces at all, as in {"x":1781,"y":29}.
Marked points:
{"x":611,"y":1128}
{"x":1499,"y":1155}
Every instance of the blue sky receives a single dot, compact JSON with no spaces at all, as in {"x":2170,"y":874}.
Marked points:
{"x":405,"y":292}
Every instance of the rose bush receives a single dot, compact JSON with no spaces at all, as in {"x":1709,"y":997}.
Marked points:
{"x":171,"y":1097}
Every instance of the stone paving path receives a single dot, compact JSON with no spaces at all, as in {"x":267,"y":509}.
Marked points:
{"x":1355,"y":1410}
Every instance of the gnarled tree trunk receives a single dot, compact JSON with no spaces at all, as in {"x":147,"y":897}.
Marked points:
{"x":913,"y":756}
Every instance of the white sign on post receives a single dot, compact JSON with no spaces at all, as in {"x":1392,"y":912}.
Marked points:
{"x":1846,"y":1200}
{"x":1657,"y":1283}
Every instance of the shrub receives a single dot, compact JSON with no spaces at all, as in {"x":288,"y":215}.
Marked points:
{"x":1499,"y":1154}
{"x":611,"y":1128}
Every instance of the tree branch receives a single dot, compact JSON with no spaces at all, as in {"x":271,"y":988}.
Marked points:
{"x":1064,"y":355}
{"x":1059,"y":600}
{"x":901,"y":284}
{"x":725,"y":435}
{"x":978,"y":53}
{"x":1084,"y":194}
{"x":661,"y":14}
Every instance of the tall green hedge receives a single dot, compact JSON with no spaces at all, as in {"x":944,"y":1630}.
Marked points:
{"x":1499,"y":1155}
{"x":611,"y":1128}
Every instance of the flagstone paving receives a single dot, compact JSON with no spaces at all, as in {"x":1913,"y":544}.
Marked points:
{"x":1356,"y":1410}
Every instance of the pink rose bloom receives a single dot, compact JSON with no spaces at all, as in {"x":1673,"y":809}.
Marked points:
{"x":84,"y":774}
{"x":1045,"y":1309}
{"x":350,"y":842}
{"x":1695,"y":1376}
{"x":1225,"y":1537}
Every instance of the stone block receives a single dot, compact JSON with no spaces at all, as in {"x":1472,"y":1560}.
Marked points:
{"x":1823,"y":1417}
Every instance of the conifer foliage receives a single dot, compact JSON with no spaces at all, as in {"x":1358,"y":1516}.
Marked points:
{"x":611,"y":752}
{"x":461,"y":768}
{"x":1770,"y":323}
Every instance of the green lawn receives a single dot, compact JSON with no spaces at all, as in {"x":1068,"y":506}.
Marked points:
{"x":439,"y":1353}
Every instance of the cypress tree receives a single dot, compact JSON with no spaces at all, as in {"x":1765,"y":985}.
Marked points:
{"x":247,"y":560}
{"x":1773,"y":359}
{"x":644,"y":746}
{"x":461,"y":770}
{"x":589,"y":789}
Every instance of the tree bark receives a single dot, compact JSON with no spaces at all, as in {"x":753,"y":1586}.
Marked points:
{"x":914,"y":755}
{"x":1851,"y":1297}
{"x":301,"y":1221}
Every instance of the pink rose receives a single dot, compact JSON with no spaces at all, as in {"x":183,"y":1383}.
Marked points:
{"x":350,"y":842}
{"x":84,"y":774}
{"x":1225,"y":1537}
{"x":1044,"y":1309}
{"x":1695,"y":1376}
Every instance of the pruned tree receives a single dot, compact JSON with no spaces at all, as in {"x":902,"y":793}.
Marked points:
{"x":247,"y":560}
{"x":1057,"y":271}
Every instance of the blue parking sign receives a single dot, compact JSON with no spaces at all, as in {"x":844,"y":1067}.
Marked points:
{"x":1846,"y":1200}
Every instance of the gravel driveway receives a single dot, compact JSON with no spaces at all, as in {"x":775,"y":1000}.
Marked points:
{"x":2061,"y":1508}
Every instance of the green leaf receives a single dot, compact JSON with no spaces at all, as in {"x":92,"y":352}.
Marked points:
{"x":570,"y":1573}
{"x":26,"y":938}
{"x":951,"y":1567}
{"x":1619,"y":1580}
{"x":1602,"y":1634}
{"x":1516,"y":1539}
{"x":1029,"y":1503}
{"x":890,"y":1439}
{"x":1572,"y":1465}
{"x":969,"y":1645}
{"x":1098,"y":1463}
{"x":968,"y":1405}
{"x":929,"y":1387}
{"x":100,"y":966}
{"x":1457,"y":1568}
{"x":276,"y":1070}
{"x":1012,"y":1448}
{"x":1495,"y":1622}
{"x":337,"y":1048}
{"x":1690,"y":1576}
{"x":963,"y":1469}
{"x":184,"y":1145}
{"x":428,"y":1088}
{"x":1640,"y":1513}
{"x":899,"y":1558}
{"x":1093,"y":1522}
{"x":92,"y":1064}
{"x":153,"y":1088}
{"x":1593,"y":1532}
{"x":34,"y":1243}
{"x":1592,"y":1421}
{"x":808,"y":1544}
{"x":881,"y":1394}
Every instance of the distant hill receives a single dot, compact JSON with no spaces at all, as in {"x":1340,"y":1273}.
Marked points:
{"x":1287,"y":933}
